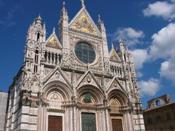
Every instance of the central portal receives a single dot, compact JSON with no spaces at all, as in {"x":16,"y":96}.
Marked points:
{"x":88,"y":122}
{"x":55,"y":123}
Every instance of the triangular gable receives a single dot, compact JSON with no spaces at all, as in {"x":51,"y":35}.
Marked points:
{"x":114,"y":56}
{"x":88,"y":79}
{"x":56,"y":75}
{"x":53,"y":42}
{"x":115,"y":84}
{"x":83,"y":22}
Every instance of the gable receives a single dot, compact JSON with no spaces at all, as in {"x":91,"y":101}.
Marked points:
{"x":84,"y":23}
{"x":115,"y":84}
{"x":88,"y":79}
{"x":114,"y":56}
{"x":57,"y":75}
{"x":53,"y":42}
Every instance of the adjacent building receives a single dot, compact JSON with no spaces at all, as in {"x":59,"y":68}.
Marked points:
{"x":160,"y":115}
{"x":3,"y":105}
{"x":72,"y":82}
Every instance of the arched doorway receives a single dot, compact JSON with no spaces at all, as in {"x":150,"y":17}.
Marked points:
{"x":117,"y":102}
{"x":90,"y":101}
{"x":56,"y":94}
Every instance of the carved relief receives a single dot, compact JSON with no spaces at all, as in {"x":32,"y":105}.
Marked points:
{"x":66,"y":60}
{"x":55,"y":99}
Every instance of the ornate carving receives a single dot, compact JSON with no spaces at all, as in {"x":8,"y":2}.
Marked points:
{"x":106,"y":65}
{"x":66,"y":60}
{"x":88,"y":79}
{"x":57,"y":75}
{"x":55,"y":99}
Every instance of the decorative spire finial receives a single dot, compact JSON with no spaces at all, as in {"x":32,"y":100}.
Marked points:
{"x":53,"y":30}
{"x":121,"y":40}
{"x":64,"y":3}
{"x":64,"y":8}
{"x":82,"y":3}
{"x":99,"y":18}
{"x":112,"y":45}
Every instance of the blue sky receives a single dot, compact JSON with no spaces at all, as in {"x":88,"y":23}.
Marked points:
{"x":147,"y":26}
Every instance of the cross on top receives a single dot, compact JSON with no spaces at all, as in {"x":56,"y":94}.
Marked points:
{"x":82,"y":2}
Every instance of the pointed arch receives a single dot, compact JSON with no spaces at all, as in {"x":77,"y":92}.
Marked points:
{"x":97,"y":94}
{"x":119,"y":95}
{"x":60,"y":87}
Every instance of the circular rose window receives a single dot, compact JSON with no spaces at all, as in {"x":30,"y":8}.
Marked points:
{"x":85,"y":52}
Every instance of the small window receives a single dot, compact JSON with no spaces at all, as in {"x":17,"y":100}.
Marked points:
{"x":35,"y":69}
{"x":158,"y":103}
{"x":38,"y":36}
{"x":36,"y":56}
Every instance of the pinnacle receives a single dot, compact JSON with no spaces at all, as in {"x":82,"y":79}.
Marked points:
{"x":83,"y":3}
{"x":53,"y":30}
{"x":39,"y":17}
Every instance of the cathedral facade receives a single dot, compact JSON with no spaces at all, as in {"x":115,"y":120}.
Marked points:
{"x":71,"y":82}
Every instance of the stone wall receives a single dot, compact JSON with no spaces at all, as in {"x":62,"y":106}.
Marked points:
{"x":3,"y":105}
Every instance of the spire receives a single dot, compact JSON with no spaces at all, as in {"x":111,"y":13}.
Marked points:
{"x":121,"y":42}
{"x":38,"y":20}
{"x":99,"y":18}
{"x":64,"y":8}
{"x":64,"y":3}
{"x":82,"y":3}
{"x":112,"y":45}
{"x":37,"y":31}
{"x":64,"y":11}
{"x":101,"y":24}
{"x":53,"y":31}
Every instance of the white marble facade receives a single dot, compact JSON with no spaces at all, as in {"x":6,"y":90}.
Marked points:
{"x":74,"y":75}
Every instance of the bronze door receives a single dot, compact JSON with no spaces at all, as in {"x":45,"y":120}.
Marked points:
{"x":88,"y":122}
{"x":117,"y":125}
{"x":55,"y":123}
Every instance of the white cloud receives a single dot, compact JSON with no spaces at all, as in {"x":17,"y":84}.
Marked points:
{"x":163,"y":44}
{"x":140,"y":56}
{"x":149,"y":88}
{"x":163,"y":9}
{"x":167,"y":69}
{"x":130,"y":35}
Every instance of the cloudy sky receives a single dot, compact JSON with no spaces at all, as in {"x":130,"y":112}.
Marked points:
{"x":147,"y":26}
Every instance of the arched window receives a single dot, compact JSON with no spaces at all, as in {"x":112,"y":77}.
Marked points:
{"x":38,"y":36}
{"x":36,"y":56}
